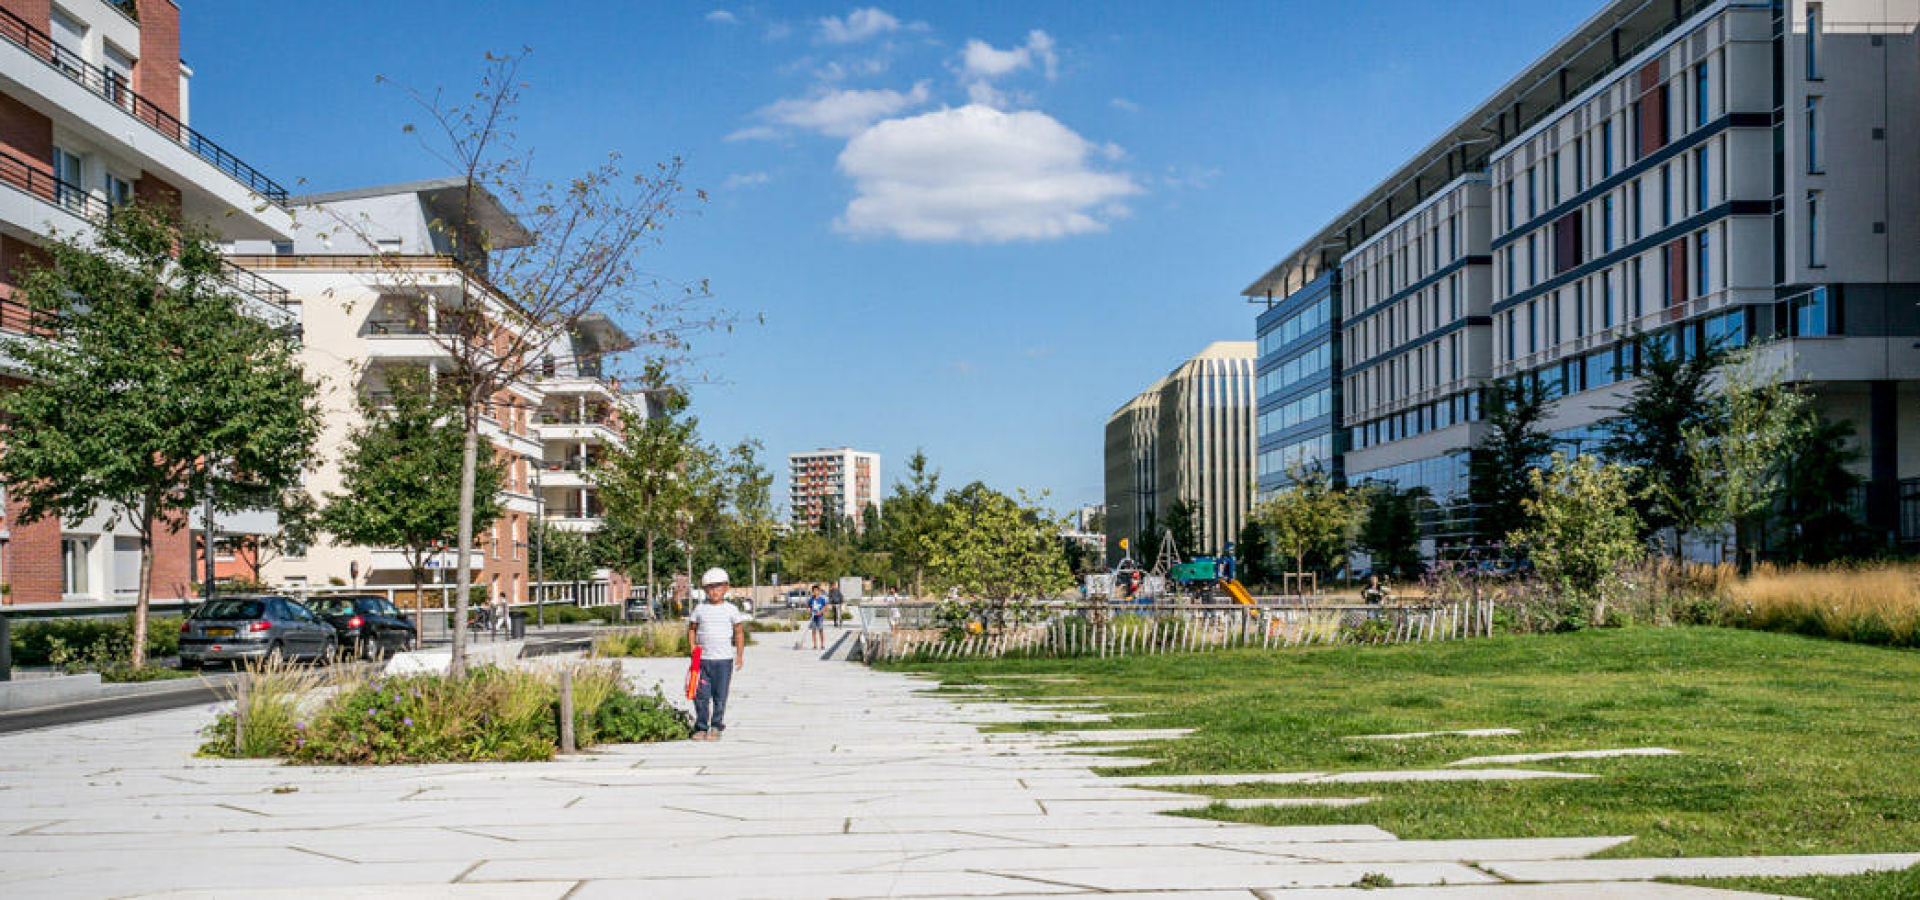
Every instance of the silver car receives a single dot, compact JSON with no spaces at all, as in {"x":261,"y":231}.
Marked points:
{"x":231,"y":629}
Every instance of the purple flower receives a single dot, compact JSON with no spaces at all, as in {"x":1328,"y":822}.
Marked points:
{"x":407,"y":722}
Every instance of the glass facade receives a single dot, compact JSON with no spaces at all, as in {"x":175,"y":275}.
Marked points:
{"x":1297,"y":383}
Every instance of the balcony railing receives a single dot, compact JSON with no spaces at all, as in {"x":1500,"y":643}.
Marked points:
{"x":20,"y":318}
{"x":114,"y":88}
{"x":43,"y":186}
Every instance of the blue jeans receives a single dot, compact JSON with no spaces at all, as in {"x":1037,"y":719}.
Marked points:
{"x":716,"y":676}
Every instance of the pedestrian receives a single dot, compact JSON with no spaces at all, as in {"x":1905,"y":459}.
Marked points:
{"x":836,"y":599}
{"x":1375,"y":593}
{"x":719,"y":629}
{"x":817,"y":621}
{"x":499,"y":612}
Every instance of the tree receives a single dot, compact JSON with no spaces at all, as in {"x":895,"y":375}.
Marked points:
{"x":400,"y":478}
{"x":1817,"y":482}
{"x":566,"y":253}
{"x":994,"y":547}
{"x":1181,"y":524}
{"x":147,"y":387}
{"x":1649,"y":438}
{"x":1391,"y":531}
{"x":1740,"y":463}
{"x":566,"y":555}
{"x":751,"y":522}
{"x":810,"y":556}
{"x":1254,"y":553}
{"x":1497,"y":467}
{"x":912,"y":513}
{"x":641,"y":485}
{"x":1581,"y":525}
{"x":299,"y":526}
{"x":703,"y":493}
{"x":1309,"y":517}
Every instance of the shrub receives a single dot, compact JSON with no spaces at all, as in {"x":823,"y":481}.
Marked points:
{"x":90,"y":643}
{"x":489,"y":714}
{"x":272,"y":694}
{"x":655,"y":639}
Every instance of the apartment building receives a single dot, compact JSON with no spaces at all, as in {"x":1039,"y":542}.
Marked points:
{"x":842,"y":482}
{"x":1684,"y":174}
{"x":378,"y":289}
{"x":94,"y":112}
{"x":1189,"y":437}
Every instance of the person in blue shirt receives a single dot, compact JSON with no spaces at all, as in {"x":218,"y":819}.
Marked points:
{"x":817,"y":608}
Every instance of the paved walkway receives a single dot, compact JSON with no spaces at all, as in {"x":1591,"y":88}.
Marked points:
{"x":835,"y":782}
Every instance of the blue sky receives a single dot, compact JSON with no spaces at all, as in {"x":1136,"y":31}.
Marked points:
{"x":972,"y":228}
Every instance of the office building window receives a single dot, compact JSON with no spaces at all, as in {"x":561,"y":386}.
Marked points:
{"x":1579,"y":164}
{"x":1511,"y":188}
{"x":1533,"y":192}
{"x":1510,"y":285}
{"x":1533,"y":327}
{"x":1816,"y":21}
{"x":1634,"y":205}
{"x":1702,"y":182}
{"x":1816,"y":244}
{"x":1606,"y":148}
{"x":1638,"y":288}
{"x":119,"y":190}
{"x":1809,"y":313}
{"x":1606,"y":299}
{"x":68,"y":178}
{"x":1666,"y":195}
{"x":1533,"y":259}
{"x":1510,"y":335}
{"x":1606,"y":224}
{"x":1814,"y":162}
{"x":1553,"y":176}
{"x":1702,"y":252}
{"x":1702,"y":92}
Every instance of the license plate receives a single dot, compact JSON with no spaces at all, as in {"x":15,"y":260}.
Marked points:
{"x":220,"y":632}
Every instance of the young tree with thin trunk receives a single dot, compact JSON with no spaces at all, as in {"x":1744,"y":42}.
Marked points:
{"x":751,"y":521}
{"x":642,"y":488}
{"x":912,"y":513}
{"x":1309,"y":517}
{"x":1741,"y":460}
{"x":1515,"y":443}
{"x":148,"y":388}
{"x":523,"y":284}
{"x":401,"y":479}
{"x":1673,"y":396}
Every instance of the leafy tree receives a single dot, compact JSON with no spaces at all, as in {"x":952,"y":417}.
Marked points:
{"x":400,"y":477}
{"x":566,"y":555}
{"x":1391,"y":532}
{"x":1181,"y":524}
{"x":299,"y":528}
{"x":1497,"y":467}
{"x":1581,"y":524}
{"x":1740,"y":464}
{"x":1672,"y":398}
{"x":810,"y":556}
{"x":911,"y":515}
{"x":994,"y":547}
{"x":1309,"y":517}
{"x":1817,"y":479}
{"x":642,"y":487}
{"x":752,"y":523}
{"x":148,"y":388}
{"x":1254,"y":553}
{"x":704,"y":493}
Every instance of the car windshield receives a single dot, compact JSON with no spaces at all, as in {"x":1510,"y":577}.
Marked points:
{"x":331,"y":606}
{"x":231,"y":609}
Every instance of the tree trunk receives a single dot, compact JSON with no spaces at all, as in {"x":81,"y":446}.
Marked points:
{"x":653,"y":589}
{"x":138,"y":653}
{"x":419,"y":608}
{"x":463,"y":579}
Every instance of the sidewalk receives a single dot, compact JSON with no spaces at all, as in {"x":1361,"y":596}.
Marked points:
{"x":833,"y":781}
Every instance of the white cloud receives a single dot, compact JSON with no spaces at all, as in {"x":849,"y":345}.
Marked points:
{"x":779,"y":31}
{"x":723,"y":17}
{"x":860,"y":25}
{"x":1124,"y":105}
{"x":836,"y":113}
{"x":746,"y":180}
{"x":981,"y":60}
{"x":977,"y":174}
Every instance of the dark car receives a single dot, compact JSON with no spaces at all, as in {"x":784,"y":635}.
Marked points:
{"x":368,"y":626}
{"x":232,"y":629}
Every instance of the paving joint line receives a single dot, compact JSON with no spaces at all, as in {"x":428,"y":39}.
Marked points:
{"x":343,"y":859}
{"x":1038,"y":880}
{"x":462,"y":877}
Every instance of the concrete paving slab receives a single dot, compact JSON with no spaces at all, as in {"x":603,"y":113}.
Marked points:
{"x":1432,"y":851}
{"x":1512,"y":758}
{"x":1703,"y":867}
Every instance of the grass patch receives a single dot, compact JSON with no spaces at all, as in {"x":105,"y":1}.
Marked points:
{"x":654,"y":639}
{"x":1863,"y":604}
{"x":1901,"y":885}
{"x":1789,"y":744}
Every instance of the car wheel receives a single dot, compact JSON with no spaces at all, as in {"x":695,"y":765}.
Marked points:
{"x":329,"y":652}
{"x":276,"y":655}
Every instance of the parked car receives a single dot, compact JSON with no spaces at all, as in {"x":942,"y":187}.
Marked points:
{"x":797,"y":599}
{"x":232,"y":629}
{"x":638,"y":610}
{"x":367,"y":626}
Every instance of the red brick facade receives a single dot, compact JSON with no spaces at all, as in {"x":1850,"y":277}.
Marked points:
{"x":38,"y":13}
{"x":156,"y":76}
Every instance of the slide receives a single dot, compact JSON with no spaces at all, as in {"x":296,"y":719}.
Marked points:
{"x":1238,"y":592}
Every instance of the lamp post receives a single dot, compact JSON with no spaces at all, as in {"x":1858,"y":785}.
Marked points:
{"x":539,"y":549}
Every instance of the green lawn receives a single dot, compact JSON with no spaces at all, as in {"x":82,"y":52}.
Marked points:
{"x":1903,"y":885}
{"x":1791,"y":745}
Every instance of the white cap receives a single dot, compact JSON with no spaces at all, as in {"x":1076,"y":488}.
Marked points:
{"x":715,"y":575}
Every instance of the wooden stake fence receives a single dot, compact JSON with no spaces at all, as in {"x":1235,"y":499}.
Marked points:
{"x":1117,"y":631}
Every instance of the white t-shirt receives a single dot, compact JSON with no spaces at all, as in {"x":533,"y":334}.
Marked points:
{"x":715,"y":622}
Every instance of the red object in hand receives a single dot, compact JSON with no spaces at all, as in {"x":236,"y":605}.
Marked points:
{"x":693,"y":674}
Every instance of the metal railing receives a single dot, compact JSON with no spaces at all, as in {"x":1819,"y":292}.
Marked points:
{"x":114,"y":88}
{"x":20,"y":318}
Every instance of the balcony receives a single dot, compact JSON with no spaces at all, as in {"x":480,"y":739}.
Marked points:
{"x":113,"y":87}
{"x":406,"y":340}
{"x":396,"y":561}
{"x":91,"y":208}
{"x":570,"y":473}
{"x":575,"y":520}
{"x":588,"y":427}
